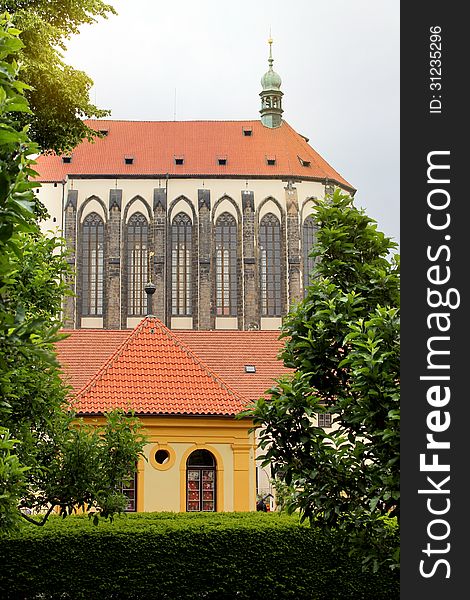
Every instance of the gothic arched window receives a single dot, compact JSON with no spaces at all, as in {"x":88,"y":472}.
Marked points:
{"x":270,"y":265}
{"x":137,"y":264}
{"x":226,"y":265}
{"x":92,"y":248}
{"x":308,"y":240}
{"x":181,"y":254}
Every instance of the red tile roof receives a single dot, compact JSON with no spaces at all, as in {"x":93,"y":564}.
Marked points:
{"x":84,"y":351}
{"x":225,"y":352}
{"x":154,"y":145}
{"x":154,"y":372}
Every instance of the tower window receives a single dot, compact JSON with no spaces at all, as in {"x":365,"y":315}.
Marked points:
{"x":179,"y":160}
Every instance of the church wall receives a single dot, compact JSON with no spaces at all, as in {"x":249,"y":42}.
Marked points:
{"x":203,"y":201}
{"x":52,"y":196}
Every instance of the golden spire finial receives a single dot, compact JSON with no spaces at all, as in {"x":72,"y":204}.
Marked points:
{"x":270,"y":42}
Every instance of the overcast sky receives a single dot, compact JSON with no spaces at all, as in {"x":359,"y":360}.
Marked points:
{"x":338,"y":60}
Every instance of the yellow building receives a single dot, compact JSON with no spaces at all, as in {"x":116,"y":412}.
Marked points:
{"x":199,"y":457}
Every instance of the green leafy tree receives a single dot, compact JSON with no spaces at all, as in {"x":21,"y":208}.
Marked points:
{"x":59,"y":95}
{"x":48,"y":459}
{"x":342,"y":341}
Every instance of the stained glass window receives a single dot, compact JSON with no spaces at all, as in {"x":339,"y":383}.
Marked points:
{"x":92,"y":247}
{"x":181,"y":255}
{"x":226,"y":265}
{"x":129,"y":489}
{"x":270,"y":265}
{"x":308,"y":240}
{"x":137,"y":264}
{"x":200,"y":482}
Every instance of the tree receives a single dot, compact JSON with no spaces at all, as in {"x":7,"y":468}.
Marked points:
{"x":47,"y":458}
{"x":59,"y":95}
{"x":342,"y":341}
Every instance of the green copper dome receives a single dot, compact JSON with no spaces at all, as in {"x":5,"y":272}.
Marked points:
{"x":270,"y":80}
{"x":271,"y":95}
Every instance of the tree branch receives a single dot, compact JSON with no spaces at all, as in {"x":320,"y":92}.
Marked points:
{"x":38,"y":523}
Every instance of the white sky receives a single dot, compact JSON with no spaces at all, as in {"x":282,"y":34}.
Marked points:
{"x":338,"y":60}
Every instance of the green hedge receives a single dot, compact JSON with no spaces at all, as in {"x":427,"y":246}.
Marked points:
{"x":166,"y":556}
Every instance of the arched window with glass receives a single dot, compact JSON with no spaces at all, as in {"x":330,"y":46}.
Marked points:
{"x":181,"y":259}
{"x":270,"y":266}
{"x":137,"y":264}
{"x":92,"y":250}
{"x":226,"y":288}
{"x":309,"y":233}
{"x":201,"y":482}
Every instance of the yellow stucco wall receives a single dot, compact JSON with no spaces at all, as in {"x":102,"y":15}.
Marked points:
{"x":162,"y":487}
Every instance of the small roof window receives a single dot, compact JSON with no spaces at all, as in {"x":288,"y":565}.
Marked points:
{"x":179,"y":160}
{"x":67,"y":159}
{"x":250,"y":369}
{"x":270,"y":160}
{"x":247,"y":131}
{"x":303,"y":161}
{"x":129,"y":160}
{"x":104,"y":131}
{"x":222,"y":160}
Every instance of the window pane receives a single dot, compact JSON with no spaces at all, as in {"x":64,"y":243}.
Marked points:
{"x":129,"y":488}
{"x":92,"y":250}
{"x":181,"y":252}
{"x":270,"y":265}
{"x":137,"y":264}
{"x":226,"y":265}
{"x":308,"y":241}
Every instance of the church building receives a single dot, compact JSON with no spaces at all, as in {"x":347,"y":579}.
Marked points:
{"x":216,"y":215}
{"x":189,"y":241}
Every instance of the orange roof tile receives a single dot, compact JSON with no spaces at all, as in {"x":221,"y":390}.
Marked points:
{"x":154,"y":145}
{"x":226,"y":352}
{"x":84,"y":351}
{"x":154,"y":372}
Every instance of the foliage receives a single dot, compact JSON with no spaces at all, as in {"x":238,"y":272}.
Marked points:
{"x":342,"y":341}
{"x":44,"y":460}
{"x":59,"y":95}
{"x":249,"y":556}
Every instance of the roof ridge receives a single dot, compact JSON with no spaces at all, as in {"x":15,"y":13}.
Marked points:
{"x":171,"y":336}
{"x":169,"y":333}
{"x":172,"y":121}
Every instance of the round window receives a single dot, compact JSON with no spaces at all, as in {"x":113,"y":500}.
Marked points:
{"x":162,"y":457}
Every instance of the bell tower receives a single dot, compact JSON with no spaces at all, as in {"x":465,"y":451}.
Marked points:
{"x":271,"y":95}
